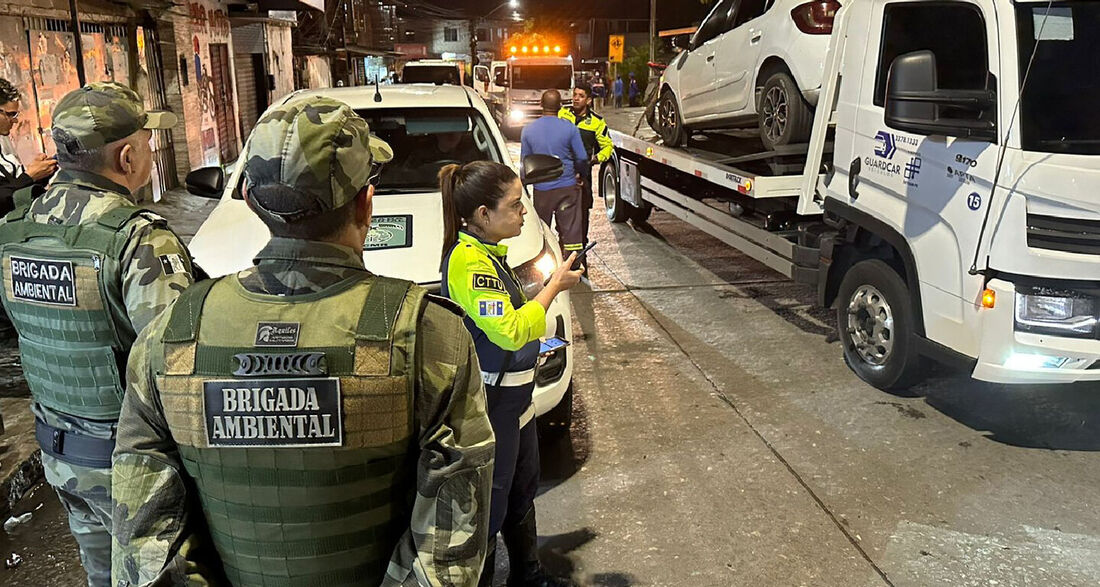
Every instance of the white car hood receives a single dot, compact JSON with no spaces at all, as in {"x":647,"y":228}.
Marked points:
{"x":232,"y":235}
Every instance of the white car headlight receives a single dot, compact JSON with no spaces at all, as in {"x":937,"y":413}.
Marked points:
{"x":1056,"y":313}
{"x":534,"y":273}
{"x":516,"y":115}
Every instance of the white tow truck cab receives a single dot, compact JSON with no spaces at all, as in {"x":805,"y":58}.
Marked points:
{"x":947,"y":201}
{"x":523,"y":80}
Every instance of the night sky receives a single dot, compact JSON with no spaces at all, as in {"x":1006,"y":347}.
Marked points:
{"x":670,"y":13}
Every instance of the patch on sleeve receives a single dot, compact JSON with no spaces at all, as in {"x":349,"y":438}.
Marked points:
{"x":172,"y":264}
{"x":490,"y":308}
{"x":486,"y":282}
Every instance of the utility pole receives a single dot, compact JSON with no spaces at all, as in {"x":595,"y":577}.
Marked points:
{"x":652,"y":30}
{"x":78,"y":44}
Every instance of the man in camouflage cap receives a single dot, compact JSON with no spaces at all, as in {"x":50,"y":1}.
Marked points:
{"x":304,"y":422}
{"x":83,"y":272}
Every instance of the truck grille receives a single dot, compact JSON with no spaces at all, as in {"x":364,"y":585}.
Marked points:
{"x":1071,"y":235}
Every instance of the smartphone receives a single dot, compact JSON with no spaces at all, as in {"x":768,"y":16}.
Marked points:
{"x":552,"y":344}
{"x":576,"y":264}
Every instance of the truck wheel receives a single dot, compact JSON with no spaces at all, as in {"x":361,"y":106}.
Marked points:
{"x":875,"y":321}
{"x":617,"y":209}
{"x":555,"y":424}
{"x":670,"y":125}
{"x":785,"y":117}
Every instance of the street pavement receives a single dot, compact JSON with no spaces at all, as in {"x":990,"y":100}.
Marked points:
{"x":719,"y":439}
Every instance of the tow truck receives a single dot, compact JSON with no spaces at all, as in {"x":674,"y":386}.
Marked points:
{"x":945,"y":204}
{"x":535,"y":64}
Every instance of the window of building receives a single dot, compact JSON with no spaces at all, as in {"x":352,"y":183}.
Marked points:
{"x":483,"y":35}
{"x":450,"y":34}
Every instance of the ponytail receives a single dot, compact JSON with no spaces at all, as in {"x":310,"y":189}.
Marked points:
{"x":466,"y":188}
{"x":447,"y":176}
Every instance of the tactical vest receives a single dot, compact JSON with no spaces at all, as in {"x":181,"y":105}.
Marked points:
{"x":63,"y":292}
{"x":294,"y":416}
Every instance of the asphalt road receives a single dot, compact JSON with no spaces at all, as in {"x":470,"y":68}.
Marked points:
{"x":719,"y":439}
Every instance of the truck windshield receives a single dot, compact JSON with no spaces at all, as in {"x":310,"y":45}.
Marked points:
{"x":1058,"y":103}
{"x":426,"y":139}
{"x":542,"y":77}
{"x":430,"y":74}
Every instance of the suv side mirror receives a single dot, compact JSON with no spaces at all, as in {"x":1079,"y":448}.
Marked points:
{"x":500,"y":81}
{"x":541,"y":168}
{"x":916,"y":104}
{"x":206,"y":182}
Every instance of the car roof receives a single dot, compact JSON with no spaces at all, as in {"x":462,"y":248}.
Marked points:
{"x":397,"y":96}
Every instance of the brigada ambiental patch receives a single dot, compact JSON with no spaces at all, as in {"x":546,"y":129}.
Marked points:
{"x":43,"y":281}
{"x":277,"y":334}
{"x":283,"y":413}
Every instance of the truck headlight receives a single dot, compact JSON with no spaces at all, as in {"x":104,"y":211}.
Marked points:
{"x":516,"y":115}
{"x":535,"y":272}
{"x":1056,"y":313}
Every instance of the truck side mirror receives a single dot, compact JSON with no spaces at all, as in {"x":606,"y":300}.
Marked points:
{"x":916,"y":104}
{"x":206,"y":182}
{"x":541,"y":168}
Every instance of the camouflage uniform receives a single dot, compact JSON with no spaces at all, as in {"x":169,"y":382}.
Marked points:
{"x":162,"y":533}
{"x":90,"y":118}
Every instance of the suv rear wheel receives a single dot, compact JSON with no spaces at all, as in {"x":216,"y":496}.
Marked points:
{"x":785,"y":117}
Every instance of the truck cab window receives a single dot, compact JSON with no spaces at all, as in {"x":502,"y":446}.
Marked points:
{"x":714,"y":25}
{"x":748,"y":10}
{"x":953,"y":31}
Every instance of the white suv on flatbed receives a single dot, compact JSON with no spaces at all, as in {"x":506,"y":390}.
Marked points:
{"x":752,"y":62}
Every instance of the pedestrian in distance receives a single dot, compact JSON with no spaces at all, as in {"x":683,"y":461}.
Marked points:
{"x":635,"y":91}
{"x":482,"y":206}
{"x":86,"y":270}
{"x":559,"y":201}
{"x":597,"y":146}
{"x":305,"y":422}
{"x":14,"y":175}
{"x":617,"y":91}
{"x":599,"y":92}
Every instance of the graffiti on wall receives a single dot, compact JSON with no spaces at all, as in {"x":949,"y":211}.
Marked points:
{"x":54,"y":75}
{"x":15,"y":66}
{"x":208,"y":23}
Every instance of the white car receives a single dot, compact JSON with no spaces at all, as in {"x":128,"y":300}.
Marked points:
{"x":752,"y":62}
{"x":428,"y":127}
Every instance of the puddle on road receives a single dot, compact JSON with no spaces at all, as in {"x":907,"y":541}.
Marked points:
{"x":50,"y":555}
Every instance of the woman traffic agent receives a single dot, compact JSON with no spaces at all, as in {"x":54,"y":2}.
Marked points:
{"x":482,"y":205}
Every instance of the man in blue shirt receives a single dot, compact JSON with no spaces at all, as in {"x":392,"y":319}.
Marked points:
{"x":617,"y":91}
{"x":561,"y":198}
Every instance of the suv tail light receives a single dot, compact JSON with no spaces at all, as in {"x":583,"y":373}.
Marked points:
{"x":815,"y":18}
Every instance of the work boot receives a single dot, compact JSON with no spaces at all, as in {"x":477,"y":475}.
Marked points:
{"x":490,"y":566}
{"x":524,"y":569}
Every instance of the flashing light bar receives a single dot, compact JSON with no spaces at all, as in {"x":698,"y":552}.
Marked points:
{"x":535,"y":49}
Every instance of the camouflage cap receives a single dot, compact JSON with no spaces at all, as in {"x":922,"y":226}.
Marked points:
{"x":100,"y":113}
{"x":317,"y":147}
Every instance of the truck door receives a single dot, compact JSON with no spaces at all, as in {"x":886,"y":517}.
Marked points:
{"x":698,"y":66}
{"x":738,"y":51}
{"x":932,"y":189}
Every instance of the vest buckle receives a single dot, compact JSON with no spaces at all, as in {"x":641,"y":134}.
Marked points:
{"x":58,"y":439}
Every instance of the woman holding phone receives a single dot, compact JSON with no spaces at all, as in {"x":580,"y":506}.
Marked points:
{"x":482,"y":205}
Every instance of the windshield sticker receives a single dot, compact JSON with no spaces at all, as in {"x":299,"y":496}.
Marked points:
{"x":389,"y":232}
{"x":1053,"y":23}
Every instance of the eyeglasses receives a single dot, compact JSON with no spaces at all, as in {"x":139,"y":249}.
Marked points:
{"x":375,"y":176}
{"x":11,"y":114}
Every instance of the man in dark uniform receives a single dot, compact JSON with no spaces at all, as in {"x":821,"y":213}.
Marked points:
{"x":597,"y":144}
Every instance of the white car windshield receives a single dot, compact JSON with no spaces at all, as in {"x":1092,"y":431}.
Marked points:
{"x":426,"y":139}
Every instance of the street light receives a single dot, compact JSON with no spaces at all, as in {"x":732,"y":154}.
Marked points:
{"x":513,"y":4}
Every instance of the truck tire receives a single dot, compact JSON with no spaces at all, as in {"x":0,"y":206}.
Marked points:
{"x":874,"y":315}
{"x":670,"y":125}
{"x":785,"y":117}
{"x":555,"y":424}
{"x":617,"y":210}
